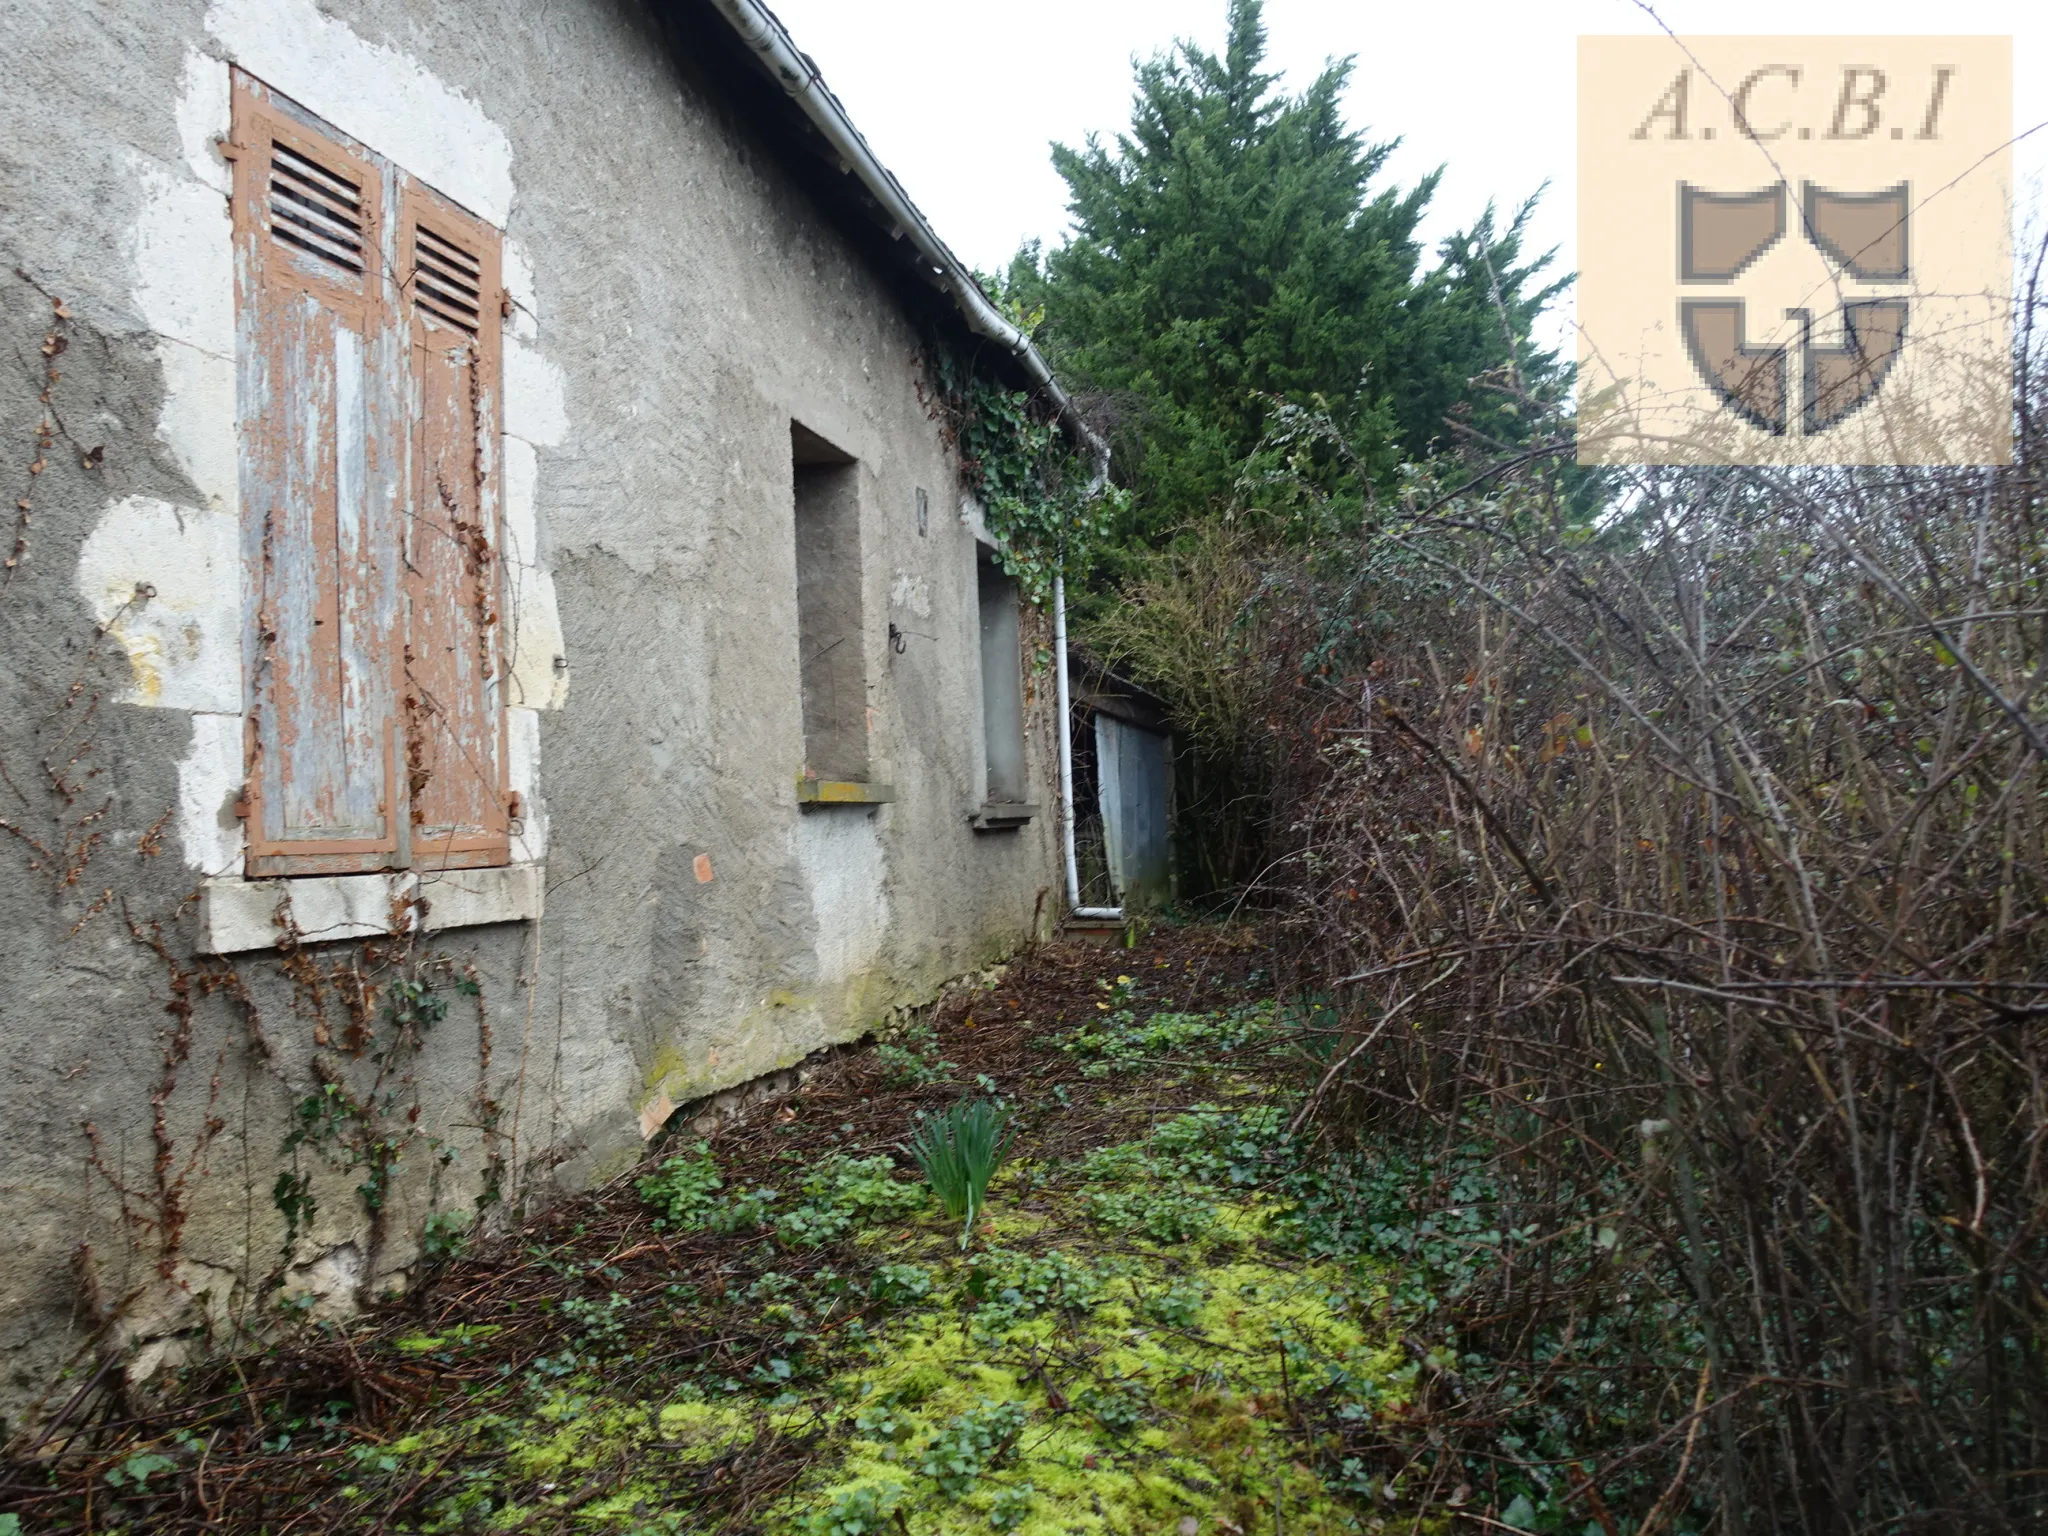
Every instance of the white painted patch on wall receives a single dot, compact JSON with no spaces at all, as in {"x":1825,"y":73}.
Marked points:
{"x":197,"y":422}
{"x":202,"y":117}
{"x":524,"y":322}
{"x":183,"y":258}
{"x":910,"y":590}
{"x":536,"y":406}
{"x":208,"y":780}
{"x":533,"y":679}
{"x":522,"y":773}
{"x":375,"y":94}
{"x":184,"y":643}
{"x":840,"y":854}
{"x":184,"y":640}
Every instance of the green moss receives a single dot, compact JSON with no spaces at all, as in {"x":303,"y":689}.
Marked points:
{"x":1168,"y":1421}
{"x":574,"y":1431}
{"x":700,"y":1432}
{"x":1087,"y":1366}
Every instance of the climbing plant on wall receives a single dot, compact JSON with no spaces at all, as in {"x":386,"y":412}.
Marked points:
{"x":1037,"y":490}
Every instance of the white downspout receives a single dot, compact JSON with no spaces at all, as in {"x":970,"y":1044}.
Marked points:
{"x":1066,"y":709}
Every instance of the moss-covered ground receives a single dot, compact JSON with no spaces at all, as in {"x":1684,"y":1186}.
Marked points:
{"x":772,"y":1327}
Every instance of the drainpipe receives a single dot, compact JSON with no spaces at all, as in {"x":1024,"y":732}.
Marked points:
{"x":1066,"y":709}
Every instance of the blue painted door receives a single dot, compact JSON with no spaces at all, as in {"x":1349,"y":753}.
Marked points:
{"x":1135,"y":779}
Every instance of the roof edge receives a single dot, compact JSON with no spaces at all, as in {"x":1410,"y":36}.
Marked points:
{"x":763,"y":32}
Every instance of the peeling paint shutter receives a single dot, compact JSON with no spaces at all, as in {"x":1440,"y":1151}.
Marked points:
{"x":453,"y":716}
{"x":321,"y":471}
{"x":367,"y":366}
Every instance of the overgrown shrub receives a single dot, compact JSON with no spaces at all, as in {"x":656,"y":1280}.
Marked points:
{"x":1675,"y":877}
{"x":1190,"y":625}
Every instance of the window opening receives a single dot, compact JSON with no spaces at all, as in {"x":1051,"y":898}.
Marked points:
{"x":1002,"y":685}
{"x":831,"y":642}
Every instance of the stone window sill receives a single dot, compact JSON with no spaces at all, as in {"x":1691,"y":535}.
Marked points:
{"x":1002,"y":816}
{"x":842,"y":792}
{"x":237,"y":915}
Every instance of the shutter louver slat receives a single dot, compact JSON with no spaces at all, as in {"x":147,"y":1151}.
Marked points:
{"x":446,"y":280}
{"x":315,"y":209}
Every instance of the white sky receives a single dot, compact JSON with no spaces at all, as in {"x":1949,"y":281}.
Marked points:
{"x":961,"y":101}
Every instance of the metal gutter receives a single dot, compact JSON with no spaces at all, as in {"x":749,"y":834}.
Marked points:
{"x":761,"y":30}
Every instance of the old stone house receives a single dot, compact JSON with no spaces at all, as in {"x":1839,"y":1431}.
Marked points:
{"x":496,"y":648}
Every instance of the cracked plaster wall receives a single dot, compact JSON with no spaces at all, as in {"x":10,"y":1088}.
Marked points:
{"x":677,"y":302}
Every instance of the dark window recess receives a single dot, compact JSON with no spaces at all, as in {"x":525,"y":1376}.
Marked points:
{"x":1091,"y":851}
{"x":318,"y":210}
{"x":446,"y":280}
{"x":1002,"y":700}
{"x":831,"y":642}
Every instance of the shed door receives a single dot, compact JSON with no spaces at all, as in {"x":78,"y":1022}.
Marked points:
{"x":1135,"y":782}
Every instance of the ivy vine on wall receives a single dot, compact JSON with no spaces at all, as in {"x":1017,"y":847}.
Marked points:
{"x":1037,"y":490}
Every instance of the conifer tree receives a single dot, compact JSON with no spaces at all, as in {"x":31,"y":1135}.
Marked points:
{"x":1231,"y":249}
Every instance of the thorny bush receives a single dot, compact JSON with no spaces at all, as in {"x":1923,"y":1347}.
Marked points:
{"x":1676,"y":875}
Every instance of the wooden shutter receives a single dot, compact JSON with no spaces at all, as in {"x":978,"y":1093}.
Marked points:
{"x":322,"y":468}
{"x":368,"y":360}
{"x":453,"y":725}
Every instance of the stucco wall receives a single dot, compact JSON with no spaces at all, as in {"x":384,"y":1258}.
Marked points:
{"x":678,"y":301}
